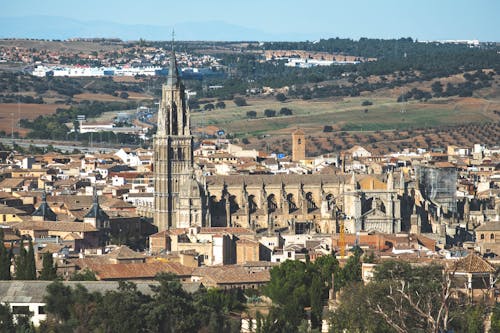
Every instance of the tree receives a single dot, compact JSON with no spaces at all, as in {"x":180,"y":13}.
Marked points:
{"x":269,"y":113}
{"x":171,"y":309}
{"x":125,"y":310}
{"x":437,"y":88}
{"x":208,"y":107}
{"x":30,"y":263}
{"x":240,"y":101}
{"x":411,"y":297}
{"x":20,"y":262}
{"x":85,"y":275}
{"x":59,"y":300}
{"x":49,"y":271}
{"x":280,"y":97}
{"x":4,"y":259}
{"x":316,"y":294}
{"x":251,"y":114}
{"x":124,"y":95}
{"x":366,"y":103}
{"x":6,"y":320}
{"x":220,"y":105}
{"x":286,"y":112}
{"x":327,"y":129}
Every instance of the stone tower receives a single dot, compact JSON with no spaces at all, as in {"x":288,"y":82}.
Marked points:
{"x":298,"y":145}
{"x":173,"y":159}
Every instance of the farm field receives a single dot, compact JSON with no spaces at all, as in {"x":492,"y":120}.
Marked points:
{"x":11,"y":114}
{"x":347,"y":115}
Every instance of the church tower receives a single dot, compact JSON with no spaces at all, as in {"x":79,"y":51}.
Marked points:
{"x":173,"y":153}
{"x":298,"y":145}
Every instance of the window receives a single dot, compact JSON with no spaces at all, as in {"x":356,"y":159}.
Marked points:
{"x":41,"y":309}
{"x":482,"y":236}
{"x":492,"y":236}
{"x":289,"y":254}
{"x":21,"y":309}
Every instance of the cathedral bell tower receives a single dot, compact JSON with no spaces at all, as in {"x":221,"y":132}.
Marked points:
{"x":173,"y":150}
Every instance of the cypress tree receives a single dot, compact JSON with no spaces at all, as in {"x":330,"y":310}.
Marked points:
{"x":4,"y":259}
{"x":49,"y":271}
{"x":30,"y":263}
{"x":20,"y":262}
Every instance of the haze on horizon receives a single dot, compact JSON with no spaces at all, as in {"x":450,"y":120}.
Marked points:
{"x":240,"y":20}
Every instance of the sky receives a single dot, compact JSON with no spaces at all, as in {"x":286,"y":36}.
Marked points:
{"x":421,"y":19}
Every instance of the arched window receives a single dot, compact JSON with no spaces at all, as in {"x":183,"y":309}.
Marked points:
{"x":492,"y":236}
{"x":482,"y":236}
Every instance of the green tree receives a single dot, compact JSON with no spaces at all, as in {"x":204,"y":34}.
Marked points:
{"x":21,"y":262}
{"x":208,"y":107}
{"x":49,"y":270}
{"x":316,"y":294}
{"x":220,"y":105}
{"x":4,"y":259}
{"x":251,"y":114}
{"x":59,"y":301}
{"x":6,"y":319}
{"x":270,"y":113}
{"x":30,"y":263}
{"x":171,"y":309}
{"x":286,"y":112}
{"x":280,"y":97}
{"x":495,"y":319}
{"x":84,"y":275}
{"x":240,"y":101}
{"x":123,"y":310}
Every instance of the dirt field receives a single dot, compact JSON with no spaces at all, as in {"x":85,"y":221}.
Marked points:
{"x":10,"y":114}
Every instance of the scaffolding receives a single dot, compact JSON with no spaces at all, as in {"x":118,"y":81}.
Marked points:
{"x":438,"y":185}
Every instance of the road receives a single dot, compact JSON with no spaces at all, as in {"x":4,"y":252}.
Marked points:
{"x":64,"y":146}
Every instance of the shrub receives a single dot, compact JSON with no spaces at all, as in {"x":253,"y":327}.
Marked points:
{"x":251,"y":114}
{"x":286,"y":112}
{"x":240,"y":101}
{"x":269,"y":113}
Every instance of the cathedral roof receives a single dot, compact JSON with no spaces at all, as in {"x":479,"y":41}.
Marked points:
{"x":276,"y":179}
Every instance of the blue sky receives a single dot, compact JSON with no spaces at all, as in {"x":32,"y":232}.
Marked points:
{"x":422,"y":19}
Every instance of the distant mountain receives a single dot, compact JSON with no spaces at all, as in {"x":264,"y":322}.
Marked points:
{"x":55,"y":27}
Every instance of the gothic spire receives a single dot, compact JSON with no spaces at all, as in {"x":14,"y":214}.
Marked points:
{"x":173,"y":74}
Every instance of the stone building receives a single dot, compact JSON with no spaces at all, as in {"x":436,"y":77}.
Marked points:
{"x":179,"y":196}
{"x":298,"y":145}
{"x":305,"y":203}
{"x":294,"y":203}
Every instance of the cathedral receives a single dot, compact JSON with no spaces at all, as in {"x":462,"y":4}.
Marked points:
{"x":295,"y":203}
{"x":179,"y":199}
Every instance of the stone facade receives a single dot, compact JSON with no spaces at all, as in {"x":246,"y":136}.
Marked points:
{"x":298,"y":145}
{"x":178,"y":197}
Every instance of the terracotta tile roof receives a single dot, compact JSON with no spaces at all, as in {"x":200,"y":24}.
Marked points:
{"x":4,"y":209}
{"x":124,"y":252}
{"x":12,"y":182}
{"x":231,"y":275}
{"x":473,"y":263}
{"x":55,"y":226}
{"x":137,"y":270}
{"x":489,"y":226}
